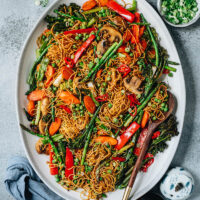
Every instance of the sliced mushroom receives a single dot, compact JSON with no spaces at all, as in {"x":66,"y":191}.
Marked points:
{"x":42,"y":126}
{"x":119,"y":21}
{"x":101,"y":47}
{"x":58,"y":80}
{"x":111,"y":34}
{"x":45,"y":106}
{"x":133,"y":84}
{"x":42,"y":148}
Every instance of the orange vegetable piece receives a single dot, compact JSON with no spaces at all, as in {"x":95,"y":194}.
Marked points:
{"x":67,"y":73}
{"x":89,"y":104}
{"x":106,"y":139}
{"x":89,"y":5}
{"x":36,"y":95}
{"x":38,"y":67}
{"x":144,"y":44}
{"x":101,"y":132}
{"x":98,"y":75}
{"x":54,"y":126}
{"x":103,"y":2}
{"x":49,"y":74}
{"x":127,"y":36}
{"x":137,"y":17}
{"x":141,"y":31}
{"x":31,"y":107}
{"x":121,"y":49}
{"x":145,"y":119}
{"x":69,"y":98}
{"x":128,"y":58}
{"x":136,"y":32}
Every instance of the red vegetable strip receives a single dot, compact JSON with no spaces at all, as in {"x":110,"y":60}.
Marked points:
{"x":53,"y":169}
{"x":121,"y":11}
{"x":84,"y":46}
{"x":165,"y":71}
{"x":102,"y":98}
{"x":87,"y":30}
{"x":66,"y":109}
{"x":137,"y":17}
{"x":124,"y":69}
{"x":147,"y":165}
{"x":156,"y":134}
{"x":120,"y":159}
{"x":135,"y":112}
{"x":69,"y":62}
{"x":126,"y":135}
{"x":133,"y":100}
{"x":69,"y":163}
{"x":140,"y":142}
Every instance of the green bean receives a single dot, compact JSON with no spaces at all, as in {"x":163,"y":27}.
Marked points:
{"x":94,"y":10}
{"x":170,"y":68}
{"x":53,"y":110}
{"x":142,"y":106}
{"x":31,"y":76}
{"x":95,"y":101}
{"x":172,"y":63}
{"x":92,"y":21}
{"x":140,"y":23}
{"x":86,"y":144}
{"x":31,"y":132}
{"x":97,"y":66}
{"x":67,"y":15}
{"x":62,"y":149}
{"x":153,"y":40}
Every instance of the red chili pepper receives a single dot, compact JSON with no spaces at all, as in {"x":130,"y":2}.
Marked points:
{"x":102,"y":98}
{"x":126,"y":135}
{"x":69,"y":62}
{"x":148,"y":155}
{"x":147,"y":165}
{"x":53,"y":168}
{"x":84,"y":46}
{"x":87,"y":30}
{"x":156,"y":134}
{"x":140,"y":142}
{"x":165,"y":71}
{"x":133,"y":100}
{"x":120,"y":159}
{"x":135,"y":112}
{"x":124,"y":69}
{"x":66,"y":109}
{"x":69,"y":163}
{"x":121,"y":11}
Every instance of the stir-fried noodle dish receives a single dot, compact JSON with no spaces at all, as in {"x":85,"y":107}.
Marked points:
{"x":94,"y":87}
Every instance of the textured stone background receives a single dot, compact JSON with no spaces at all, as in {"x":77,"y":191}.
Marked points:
{"x":17,"y":19}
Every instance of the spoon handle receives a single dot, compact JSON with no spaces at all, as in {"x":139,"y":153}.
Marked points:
{"x":148,"y":133}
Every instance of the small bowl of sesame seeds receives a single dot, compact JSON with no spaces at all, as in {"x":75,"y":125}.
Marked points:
{"x":179,"y":13}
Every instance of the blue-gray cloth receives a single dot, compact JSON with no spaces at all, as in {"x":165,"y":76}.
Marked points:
{"x":23,"y":183}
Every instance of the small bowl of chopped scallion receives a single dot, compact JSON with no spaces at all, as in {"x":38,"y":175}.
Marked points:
{"x":179,"y":13}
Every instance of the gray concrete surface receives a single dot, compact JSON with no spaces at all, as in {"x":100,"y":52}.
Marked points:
{"x":17,"y":19}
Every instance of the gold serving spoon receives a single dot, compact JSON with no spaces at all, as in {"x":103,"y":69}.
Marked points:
{"x":149,"y":132}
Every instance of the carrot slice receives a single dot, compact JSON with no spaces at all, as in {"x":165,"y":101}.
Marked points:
{"x":31,"y":108}
{"x":136,"y":32}
{"x":54,"y":126}
{"x":89,"y":5}
{"x":103,"y":2}
{"x":144,"y":44}
{"x":101,"y":132}
{"x":89,"y":104}
{"x":69,"y":98}
{"x":121,"y":49}
{"x":36,"y":95}
{"x":141,"y":31}
{"x":67,"y":73}
{"x":106,"y":139}
{"x":145,"y":119}
{"x":127,"y":35}
{"x":98,"y":75}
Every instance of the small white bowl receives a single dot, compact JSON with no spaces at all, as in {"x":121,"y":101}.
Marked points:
{"x":180,"y":25}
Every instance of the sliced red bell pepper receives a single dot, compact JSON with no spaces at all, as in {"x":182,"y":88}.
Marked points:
{"x":137,"y":17}
{"x":133,"y":114}
{"x":53,"y":168}
{"x":121,"y":11}
{"x":69,"y":163}
{"x":124,"y":69}
{"x":120,"y":159}
{"x":69,"y":62}
{"x":133,"y":100}
{"x":140,"y":141}
{"x":149,"y":163}
{"x":66,"y":109}
{"x":156,"y":134}
{"x":121,"y":49}
{"x":102,"y":98}
{"x":126,"y":135}
{"x":136,"y":34}
{"x":87,"y":30}
{"x":165,"y":71}
{"x":84,"y":46}
{"x":144,"y":44}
